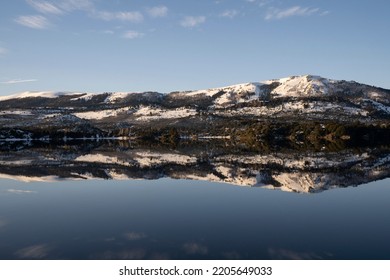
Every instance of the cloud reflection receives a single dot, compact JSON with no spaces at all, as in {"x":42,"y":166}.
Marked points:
{"x":3,"y":223}
{"x":20,"y":191}
{"x":39,"y":251}
{"x":282,"y":254}
{"x":194,"y":248}
{"x":132,"y":236}
{"x":130,"y":254}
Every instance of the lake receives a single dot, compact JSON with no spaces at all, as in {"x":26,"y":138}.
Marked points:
{"x":114,"y":201}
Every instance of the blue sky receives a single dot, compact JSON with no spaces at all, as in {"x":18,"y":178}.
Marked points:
{"x":163,"y":45}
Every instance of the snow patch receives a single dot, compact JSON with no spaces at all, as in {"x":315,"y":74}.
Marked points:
{"x":43,"y":94}
{"x":150,"y":159}
{"x":301,"y":86}
{"x":98,"y":115}
{"x":16,"y":112}
{"x":31,"y":179}
{"x":149,"y":113}
{"x":99,"y":158}
{"x":85,"y":96}
{"x":115,"y":96}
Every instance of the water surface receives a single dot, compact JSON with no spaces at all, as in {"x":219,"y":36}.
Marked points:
{"x":195,"y":213}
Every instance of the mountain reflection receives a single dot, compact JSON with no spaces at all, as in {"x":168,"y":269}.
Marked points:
{"x":287,"y":169}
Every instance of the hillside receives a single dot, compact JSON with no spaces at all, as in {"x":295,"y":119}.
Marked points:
{"x":232,"y":111}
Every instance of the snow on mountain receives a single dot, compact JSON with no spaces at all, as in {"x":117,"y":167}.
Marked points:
{"x":115,"y":96}
{"x":293,"y":86}
{"x":310,"y":86}
{"x":296,"y":97}
{"x":226,"y":95}
{"x":29,"y":179}
{"x":147,"y":158}
{"x":237,"y":89}
{"x":149,"y":113}
{"x":99,"y":158}
{"x":27,"y":94}
{"x":302,"y":85}
{"x":16,"y":112}
{"x":379,"y":106}
{"x":84,"y":96}
{"x":43,"y":94}
{"x":101,"y":114}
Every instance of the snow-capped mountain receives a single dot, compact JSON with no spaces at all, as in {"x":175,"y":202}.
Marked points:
{"x":301,"y":171}
{"x":292,"y":99}
{"x":304,"y":131}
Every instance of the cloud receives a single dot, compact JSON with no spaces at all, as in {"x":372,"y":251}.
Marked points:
{"x":131,"y":34}
{"x":35,"y":22}
{"x":131,"y":254}
{"x":229,"y":14}
{"x":3,"y":51}
{"x":33,"y":252}
{"x":191,"y":21}
{"x":277,"y":14}
{"x":132,"y":236}
{"x":71,"y":5}
{"x":324,"y":13}
{"x":20,"y":191}
{"x":260,"y":3}
{"x":263,"y":3}
{"x":283,"y":254}
{"x":123,"y":16}
{"x":18,"y":81}
{"x":110,"y":32}
{"x":44,"y":7}
{"x":3,"y":223}
{"x":194,"y":248}
{"x":158,"y":11}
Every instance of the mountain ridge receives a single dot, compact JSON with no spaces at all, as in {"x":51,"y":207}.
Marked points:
{"x":216,"y":112}
{"x":303,"y":84}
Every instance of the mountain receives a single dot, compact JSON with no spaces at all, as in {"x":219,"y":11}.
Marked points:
{"x":299,"y":134}
{"x":232,"y":111}
{"x":302,"y":171}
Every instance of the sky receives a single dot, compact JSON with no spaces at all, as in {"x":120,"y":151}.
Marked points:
{"x":168,"y":45}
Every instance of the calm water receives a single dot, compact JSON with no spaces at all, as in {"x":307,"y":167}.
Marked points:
{"x":98,"y":200}
{"x":188,"y":219}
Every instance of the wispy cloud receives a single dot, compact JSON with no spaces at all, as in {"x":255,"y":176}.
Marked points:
{"x":277,"y":14}
{"x":72,"y":5}
{"x":18,"y":81}
{"x":110,"y":32}
{"x":229,"y":13}
{"x":35,"y":22}
{"x":131,"y":34}
{"x":132,"y":236}
{"x":20,"y":191}
{"x":45,"y":7}
{"x":131,"y":254}
{"x":122,"y":16}
{"x":3,"y":51}
{"x":39,"y":251}
{"x":324,"y":13}
{"x":260,"y":3}
{"x":280,"y":254}
{"x":191,"y":21}
{"x":193,"y":248}
{"x":263,"y":3}
{"x":158,"y":11}
{"x":3,"y":222}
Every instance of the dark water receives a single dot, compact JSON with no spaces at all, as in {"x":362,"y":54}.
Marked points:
{"x":206,"y":202}
{"x":182,"y":219}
